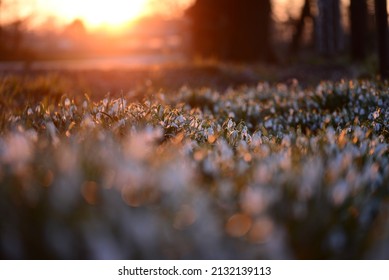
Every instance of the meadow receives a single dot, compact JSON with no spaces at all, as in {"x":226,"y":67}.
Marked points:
{"x":262,"y":171}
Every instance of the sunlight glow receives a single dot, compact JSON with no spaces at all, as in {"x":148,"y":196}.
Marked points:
{"x":112,"y":15}
{"x":95,"y":14}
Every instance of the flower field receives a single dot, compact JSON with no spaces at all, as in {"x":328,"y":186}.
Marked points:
{"x":256,"y":172}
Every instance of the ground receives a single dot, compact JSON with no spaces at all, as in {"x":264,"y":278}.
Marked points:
{"x":209,"y":162}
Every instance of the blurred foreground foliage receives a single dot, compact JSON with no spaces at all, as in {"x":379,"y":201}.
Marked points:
{"x":266,"y":171}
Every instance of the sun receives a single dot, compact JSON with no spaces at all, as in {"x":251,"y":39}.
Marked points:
{"x":98,"y":13}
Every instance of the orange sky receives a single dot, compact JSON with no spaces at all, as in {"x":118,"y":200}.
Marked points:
{"x":94,"y":13}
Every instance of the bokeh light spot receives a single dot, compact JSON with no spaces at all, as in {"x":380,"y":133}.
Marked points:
{"x":238,"y":225}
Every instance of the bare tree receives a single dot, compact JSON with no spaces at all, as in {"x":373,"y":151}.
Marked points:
{"x":358,"y":29}
{"x":299,"y":27}
{"x":329,"y":33}
{"x":232,"y":30}
{"x":382,"y":30}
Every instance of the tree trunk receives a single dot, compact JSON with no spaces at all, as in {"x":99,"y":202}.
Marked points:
{"x":232,"y":30}
{"x":296,"y":39}
{"x":249,"y":32}
{"x":359,"y":29}
{"x":382,"y":30}
{"x":328,"y":27}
